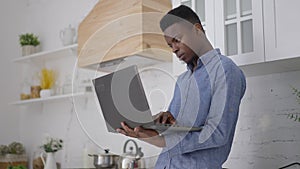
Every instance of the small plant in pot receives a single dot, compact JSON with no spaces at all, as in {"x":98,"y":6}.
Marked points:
{"x":50,"y":147}
{"x":29,"y":43}
{"x":13,"y":155}
{"x":47,"y":81}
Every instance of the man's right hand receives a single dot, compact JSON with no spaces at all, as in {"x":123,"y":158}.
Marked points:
{"x":165,"y":118}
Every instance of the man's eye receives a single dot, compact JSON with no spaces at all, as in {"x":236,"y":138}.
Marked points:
{"x":176,"y":39}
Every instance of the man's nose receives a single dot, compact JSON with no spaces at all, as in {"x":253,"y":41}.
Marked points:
{"x":175,"y":48}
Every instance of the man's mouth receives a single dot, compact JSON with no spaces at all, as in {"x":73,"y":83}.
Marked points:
{"x":181,"y":56}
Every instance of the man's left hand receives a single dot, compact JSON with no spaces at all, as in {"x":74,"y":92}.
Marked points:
{"x":137,"y":132}
{"x":147,"y":135}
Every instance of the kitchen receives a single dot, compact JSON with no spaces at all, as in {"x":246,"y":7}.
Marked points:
{"x":265,"y":137}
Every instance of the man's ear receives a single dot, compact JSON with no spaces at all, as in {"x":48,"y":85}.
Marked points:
{"x":199,"y":27}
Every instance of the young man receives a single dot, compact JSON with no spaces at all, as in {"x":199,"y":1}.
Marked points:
{"x":208,"y":94}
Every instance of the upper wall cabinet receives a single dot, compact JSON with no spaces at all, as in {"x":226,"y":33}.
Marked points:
{"x":282,"y":29}
{"x":204,"y":9}
{"x":254,"y":33}
{"x":239,"y":30}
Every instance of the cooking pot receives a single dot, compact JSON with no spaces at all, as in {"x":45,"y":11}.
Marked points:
{"x":105,"y":160}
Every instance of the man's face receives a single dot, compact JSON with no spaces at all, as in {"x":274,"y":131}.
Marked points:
{"x":181,"y":38}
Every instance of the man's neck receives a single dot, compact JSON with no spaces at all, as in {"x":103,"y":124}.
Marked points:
{"x":201,"y":52}
{"x":205,"y":45}
{"x":194,"y":62}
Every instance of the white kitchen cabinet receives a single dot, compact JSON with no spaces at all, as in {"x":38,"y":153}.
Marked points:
{"x":204,"y":9}
{"x":52,"y":59}
{"x":282,"y":29}
{"x":239,"y":30}
{"x":261,"y":36}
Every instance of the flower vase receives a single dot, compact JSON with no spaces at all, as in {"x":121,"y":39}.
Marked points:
{"x":44,"y":93}
{"x":50,"y":162}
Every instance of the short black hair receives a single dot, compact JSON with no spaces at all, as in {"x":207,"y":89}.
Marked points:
{"x":181,"y":13}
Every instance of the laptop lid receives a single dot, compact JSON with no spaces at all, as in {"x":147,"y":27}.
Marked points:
{"x":122,"y":98}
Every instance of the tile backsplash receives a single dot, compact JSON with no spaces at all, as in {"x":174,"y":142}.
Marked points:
{"x":265,"y":137}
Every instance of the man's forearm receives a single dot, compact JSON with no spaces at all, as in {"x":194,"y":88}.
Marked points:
{"x":158,"y":141}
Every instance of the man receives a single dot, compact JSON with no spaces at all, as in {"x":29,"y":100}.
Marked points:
{"x":208,"y":94}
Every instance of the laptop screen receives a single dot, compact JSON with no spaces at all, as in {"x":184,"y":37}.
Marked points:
{"x":122,"y":98}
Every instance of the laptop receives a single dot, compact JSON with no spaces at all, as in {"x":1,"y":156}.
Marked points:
{"x":122,"y":99}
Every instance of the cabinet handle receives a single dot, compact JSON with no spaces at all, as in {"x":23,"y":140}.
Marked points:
{"x":275,"y":23}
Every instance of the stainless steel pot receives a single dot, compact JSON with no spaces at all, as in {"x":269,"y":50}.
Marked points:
{"x":106,"y":160}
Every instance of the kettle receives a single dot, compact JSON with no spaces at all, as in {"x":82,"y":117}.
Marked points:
{"x":67,"y":35}
{"x":131,"y":160}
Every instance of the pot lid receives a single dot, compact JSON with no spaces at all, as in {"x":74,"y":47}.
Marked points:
{"x":106,"y":153}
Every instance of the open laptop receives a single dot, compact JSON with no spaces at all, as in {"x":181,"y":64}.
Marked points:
{"x":122,"y":99}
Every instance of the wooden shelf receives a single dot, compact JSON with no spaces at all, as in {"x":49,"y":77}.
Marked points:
{"x":64,"y":51}
{"x":51,"y":98}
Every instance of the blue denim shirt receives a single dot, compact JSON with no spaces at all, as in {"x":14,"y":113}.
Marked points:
{"x":210,"y":97}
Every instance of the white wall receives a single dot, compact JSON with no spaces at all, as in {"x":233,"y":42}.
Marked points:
{"x":59,"y":119}
{"x":48,"y":18}
{"x":12,"y":23}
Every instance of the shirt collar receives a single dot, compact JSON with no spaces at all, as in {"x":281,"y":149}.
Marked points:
{"x":205,"y":58}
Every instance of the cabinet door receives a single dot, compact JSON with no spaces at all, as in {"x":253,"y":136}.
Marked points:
{"x":205,"y":10}
{"x":282,"y":29}
{"x":239,"y":30}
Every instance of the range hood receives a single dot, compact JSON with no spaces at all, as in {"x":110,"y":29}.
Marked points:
{"x":123,"y":32}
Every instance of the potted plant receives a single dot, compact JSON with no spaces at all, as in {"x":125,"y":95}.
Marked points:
{"x":29,"y":43}
{"x":50,"y":146}
{"x":12,"y":155}
{"x":47,"y":81}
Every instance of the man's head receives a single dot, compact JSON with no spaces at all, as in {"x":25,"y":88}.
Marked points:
{"x":179,"y":14}
{"x":181,"y":27}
